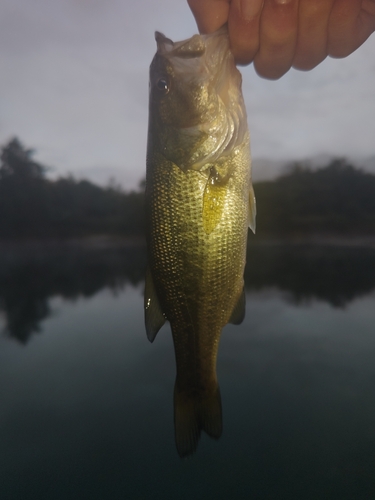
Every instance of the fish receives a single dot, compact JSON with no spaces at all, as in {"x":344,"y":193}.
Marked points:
{"x":199,"y":203}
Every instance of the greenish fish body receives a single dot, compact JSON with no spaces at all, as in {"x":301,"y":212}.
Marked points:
{"x":199,"y":204}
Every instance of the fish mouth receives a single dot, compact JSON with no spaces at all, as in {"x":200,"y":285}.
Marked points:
{"x":204,"y":65}
{"x":213,"y":51}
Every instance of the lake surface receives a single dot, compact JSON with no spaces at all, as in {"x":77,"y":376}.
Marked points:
{"x":86,"y":402}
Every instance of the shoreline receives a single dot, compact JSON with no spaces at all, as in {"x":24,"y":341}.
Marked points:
{"x":85,"y":242}
{"x":102,"y":242}
{"x":367,"y":241}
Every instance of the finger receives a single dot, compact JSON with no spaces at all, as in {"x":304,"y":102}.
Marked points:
{"x":311,"y":48}
{"x":243,"y":26}
{"x":351,"y":23}
{"x":278,"y":37}
{"x":210,"y":15}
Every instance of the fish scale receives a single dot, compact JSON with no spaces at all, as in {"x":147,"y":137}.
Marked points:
{"x":197,"y":217}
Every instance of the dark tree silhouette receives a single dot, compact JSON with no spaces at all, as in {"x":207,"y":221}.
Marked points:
{"x":337,"y":199}
{"x":17,"y":161}
{"x":32,"y":206}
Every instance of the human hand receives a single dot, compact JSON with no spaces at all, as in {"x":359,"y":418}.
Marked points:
{"x":278,"y":34}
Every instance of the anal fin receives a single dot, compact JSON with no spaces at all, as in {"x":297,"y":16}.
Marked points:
{"x":238,"y":313}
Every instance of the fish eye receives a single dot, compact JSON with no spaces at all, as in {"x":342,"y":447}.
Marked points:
{"x":162,"y":85}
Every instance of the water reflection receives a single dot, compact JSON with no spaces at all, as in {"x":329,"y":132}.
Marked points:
{"x":87,"y":408}
{"x":31,"y":274}
{"x":334,"y":274}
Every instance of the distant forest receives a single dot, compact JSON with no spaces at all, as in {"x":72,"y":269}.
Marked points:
{"x":337,"y":199}
{"x":33,"y":206}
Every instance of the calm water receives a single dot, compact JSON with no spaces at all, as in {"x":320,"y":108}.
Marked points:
{"x":86,"y":401}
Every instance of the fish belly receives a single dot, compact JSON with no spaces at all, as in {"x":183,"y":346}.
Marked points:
{"x":197,"y":249}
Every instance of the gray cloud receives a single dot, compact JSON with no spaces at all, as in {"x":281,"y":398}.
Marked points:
{"x":328,"y":110}
{"x":74,"y":80}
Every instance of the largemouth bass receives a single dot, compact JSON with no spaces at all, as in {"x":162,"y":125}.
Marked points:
{"x":199,"y":204}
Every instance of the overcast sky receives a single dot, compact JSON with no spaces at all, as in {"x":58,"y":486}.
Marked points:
{"x":74,"y":86}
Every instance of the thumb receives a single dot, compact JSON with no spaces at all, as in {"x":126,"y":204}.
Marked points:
{"x":210,"y":15}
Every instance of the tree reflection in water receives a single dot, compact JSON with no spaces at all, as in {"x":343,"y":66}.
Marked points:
{"x":334,"y":274}
{"x":30,"y":274}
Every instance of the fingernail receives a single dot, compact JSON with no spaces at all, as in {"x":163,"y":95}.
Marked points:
{"x":283,"y":2}
{"x":250,"y":9}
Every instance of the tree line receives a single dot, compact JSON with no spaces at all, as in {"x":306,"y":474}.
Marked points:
{"x":33,"y":206}
{"x":336,"y":199}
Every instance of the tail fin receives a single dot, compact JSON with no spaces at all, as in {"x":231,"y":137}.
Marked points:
{"x":194,"y":412}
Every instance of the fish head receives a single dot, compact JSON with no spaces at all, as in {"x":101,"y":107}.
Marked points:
{"x":196,"y":108}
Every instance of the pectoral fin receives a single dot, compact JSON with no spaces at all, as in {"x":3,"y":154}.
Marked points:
{"x":252,"y":209}
{"x":213,"y":202}
{"x":238,"y":313}
{"x":154,"y":317}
